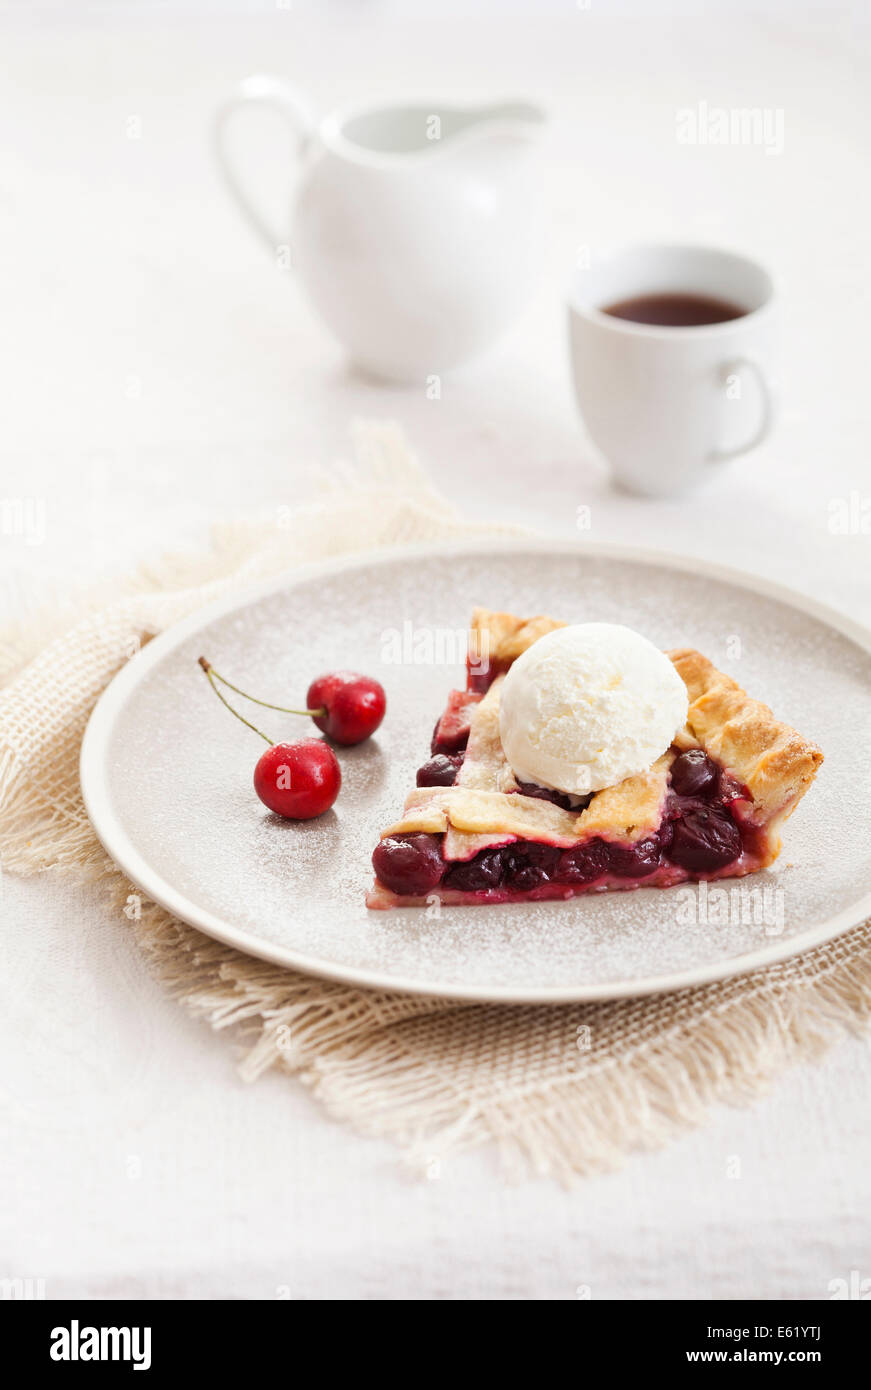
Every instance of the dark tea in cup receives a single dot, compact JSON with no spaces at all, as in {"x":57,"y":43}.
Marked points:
{"x":674,"y":310}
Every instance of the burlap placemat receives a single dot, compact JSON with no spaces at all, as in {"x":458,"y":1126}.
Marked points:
{"x":569,"y":1089}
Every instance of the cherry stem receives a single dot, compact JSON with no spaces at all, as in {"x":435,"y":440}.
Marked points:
{"x":211,"y":672}
{"x":211,"y":675}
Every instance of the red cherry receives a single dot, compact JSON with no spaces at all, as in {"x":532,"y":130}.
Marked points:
{"x":298,"y":780}
{"x":353,"y":705}
{"x":345,"y":706}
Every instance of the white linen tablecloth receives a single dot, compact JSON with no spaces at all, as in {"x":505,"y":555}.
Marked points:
{"x":158,"y":373}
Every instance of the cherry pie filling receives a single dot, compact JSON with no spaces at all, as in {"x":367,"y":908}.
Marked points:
{"x":701,"y":833}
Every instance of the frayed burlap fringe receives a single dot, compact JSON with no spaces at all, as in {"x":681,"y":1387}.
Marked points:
{"x":435,"y":1076}
{"x":393,"y":1066}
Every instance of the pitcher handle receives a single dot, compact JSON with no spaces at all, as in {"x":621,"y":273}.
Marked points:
{"x":766,"y":415}
{"x":278,"y":95}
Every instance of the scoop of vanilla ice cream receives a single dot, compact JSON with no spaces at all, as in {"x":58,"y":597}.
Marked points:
{"x":586,"y":706}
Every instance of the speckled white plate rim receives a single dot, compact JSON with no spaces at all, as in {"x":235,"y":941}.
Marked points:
{"x":119,"y":846}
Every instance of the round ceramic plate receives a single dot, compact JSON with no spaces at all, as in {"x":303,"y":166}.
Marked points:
{"x":166,"y":774}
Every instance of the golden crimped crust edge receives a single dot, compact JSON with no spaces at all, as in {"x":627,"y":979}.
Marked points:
{"x":502,"y":637}
{"x":772,"y":759}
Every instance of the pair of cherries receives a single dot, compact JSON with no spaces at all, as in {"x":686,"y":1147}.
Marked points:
{"x":302,"y":780}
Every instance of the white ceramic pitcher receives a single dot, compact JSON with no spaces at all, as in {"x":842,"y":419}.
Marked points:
{"x":415,"y":228}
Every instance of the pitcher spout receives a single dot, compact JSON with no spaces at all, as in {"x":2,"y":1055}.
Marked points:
{"x":497,"y":130}
{"x":425,"y":129}
{"x":522,"y":119}
{"x":489,"y":141}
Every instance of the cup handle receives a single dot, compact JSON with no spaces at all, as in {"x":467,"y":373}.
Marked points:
{"x":278,"y":95}
{"x":767,"y":415}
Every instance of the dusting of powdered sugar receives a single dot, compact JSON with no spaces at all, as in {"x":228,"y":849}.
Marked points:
{"x":180,"y":772}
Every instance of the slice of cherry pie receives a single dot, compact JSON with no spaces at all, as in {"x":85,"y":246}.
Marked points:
{"x":710,"y":807}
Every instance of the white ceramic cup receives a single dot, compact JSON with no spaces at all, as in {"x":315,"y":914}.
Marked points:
{"x":668,"y":405}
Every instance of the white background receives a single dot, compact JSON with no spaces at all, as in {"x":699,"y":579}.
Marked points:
{"x":157,"y":371}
